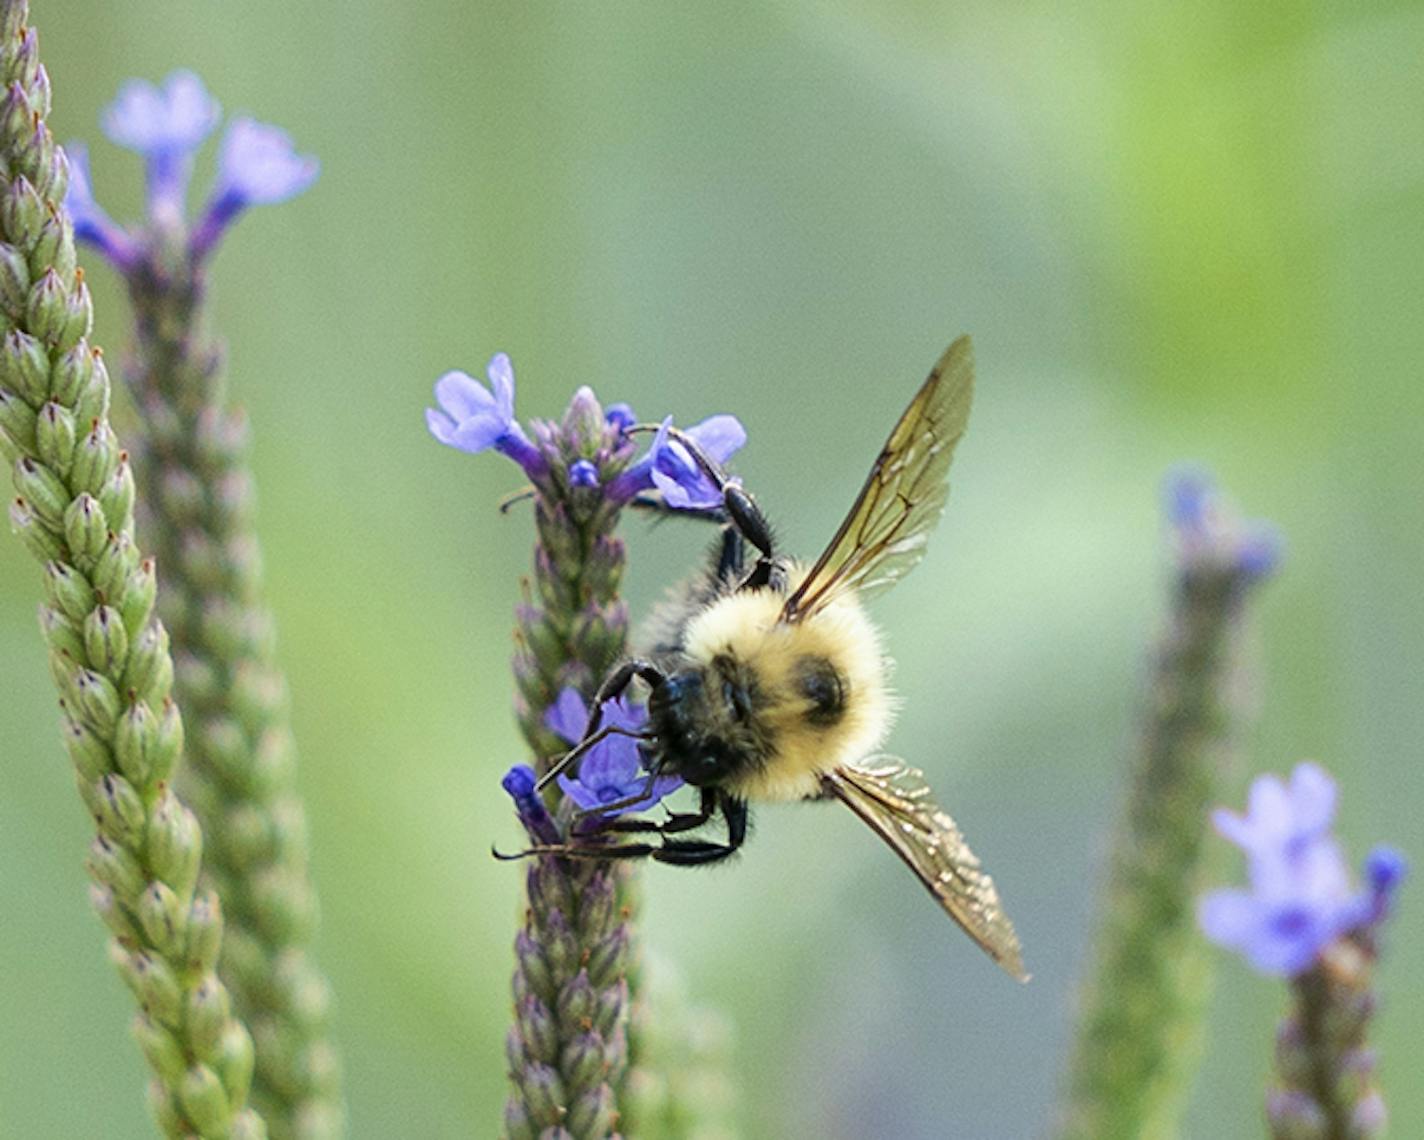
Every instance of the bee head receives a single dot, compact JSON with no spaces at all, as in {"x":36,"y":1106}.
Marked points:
{"x":695,"y":727}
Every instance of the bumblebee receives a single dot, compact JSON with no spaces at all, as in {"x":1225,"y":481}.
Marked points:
{"x":767,"y":680}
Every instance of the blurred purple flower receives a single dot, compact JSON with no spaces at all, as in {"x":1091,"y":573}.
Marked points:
{"x":166,"y":126}
{"x":669,"y":468}
{"x":91,"y":223}
{"x":620,"y":416}
{"x":1209,"y":531}
{"x":473,"y":418}
{"x":1301,"y":896}
{"x":612,"y":769}
{"x":257,"y":166}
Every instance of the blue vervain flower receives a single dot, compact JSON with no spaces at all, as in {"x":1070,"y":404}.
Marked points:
{"x":257,"y":166}
{"x":520,"y":782}
{"x":166,"y":126}
{"x":1301,"y":897}
{"x":612,"y":769}
{"x":1208,"y":528}
{"x":474,"y":418}
{"x":669,"y":468}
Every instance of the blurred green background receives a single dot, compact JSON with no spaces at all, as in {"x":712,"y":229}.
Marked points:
{"x":1175,"y":231}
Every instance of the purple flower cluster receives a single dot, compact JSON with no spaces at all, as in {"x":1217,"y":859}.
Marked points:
{"x":1301,"y":896}
{"x":166,"y":126}
{"x":1210,"y":532}
{"x":474,"y":418}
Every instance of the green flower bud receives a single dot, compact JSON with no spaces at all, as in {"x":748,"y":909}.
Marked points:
{"x":92,"y":400}
{"x":174,"y":843}
{"x":77,"y":318}
{"x":149,"y":675}
{"x":86,"y":530}
{"x":610,"y":957}
{"x":95,"y":460}
{"x":207,"y":1017}
{"x":68,"y":590}
{"x":117,"y":808}
{"x":106,"y":641}
{"x":160,"y":1049}
{"x":115,"y":565}
{"x":54,"y":437}
{"x":52,"y":248}
{"x":10,"y":451}
{"x":158,"y":987}
{"x":62,"y":635}
{"x":582,"y":1061}
{"x":162,"y":916}
{"x":43,"y":490}
{"x":39,"y":540}
{"x":182,"y":497}
{"x":47,"y":307}
{"x":612,"y":1001}
{"x":117,"y":495}
{"x":133,"y":739}
{"x":136,"y":604}
{"x":164,"y":1106}
{"x":90,"y":754}
{"x":99,"y":702}
{"x":593,"y":1113}
{"x":234,"y":1060}
{"x":14,"y":282}
{"x":204,"y":1100}
{"x":167,"y":745}
{"x":115,"y":867}
{"x":538,"y":1030}
{"x":70,"y":377}
{"x":247,"y":1125}
{"x":21,"y":209}
{"x":205,"y":930}
{"x":543,"y":1093}
{"x":576,"y":1003}
{"x":112,"y":914}
{"x":17,"y":419}
{"x":517,"y":1125}
{"x":23,"y":65}
{"x":24,"y":367}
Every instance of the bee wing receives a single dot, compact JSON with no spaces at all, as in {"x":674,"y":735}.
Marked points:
{"x":887,"y":529}
{"x":895,"y":801}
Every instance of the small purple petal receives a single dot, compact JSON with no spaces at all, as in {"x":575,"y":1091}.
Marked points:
{"x":501,"y":377}
{"x":583,"y":473}
{"x":257,"y":165}
{"x":719,"y":436}
{"x":471,"y":418}
{"x":1228,"y":917}
{"x":462,"y":396}
{"x":568,"y":716}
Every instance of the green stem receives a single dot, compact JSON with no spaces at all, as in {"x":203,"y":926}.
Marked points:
{"x":197,"y":506}
{"x":1139,"y":1028}
{"x":109,"y":655}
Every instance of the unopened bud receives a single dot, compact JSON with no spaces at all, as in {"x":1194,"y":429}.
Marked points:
{"x":149,"y":675}
{"x":115,"y":564}
{"x":39,"y":539}
{"x":162,"y":915}
{"x":174,"y":843}
{"x":95,"y":459}
{"x":106,"y":641}
{"x":85,"y":528}
{"x":160,"y":1049}
{"x":14,"y":282}
{"x":205,"y":1101}
{"x":98,"y":700}
{"x":43,"y":490}
{"x":24,"y":367}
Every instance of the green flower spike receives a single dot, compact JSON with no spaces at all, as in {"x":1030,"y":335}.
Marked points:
{"x":108,"y":653}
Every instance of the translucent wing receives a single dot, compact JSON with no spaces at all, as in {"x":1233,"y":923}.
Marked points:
{"x":886,"y":531}
{"x":897,"y":803}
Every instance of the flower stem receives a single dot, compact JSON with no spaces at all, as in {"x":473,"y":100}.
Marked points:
{"x":1144,"y":995}
{"x":108,"y":653}
{"x":196,"y":502}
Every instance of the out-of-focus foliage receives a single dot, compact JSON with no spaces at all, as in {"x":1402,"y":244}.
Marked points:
{"x":1175,"y":231}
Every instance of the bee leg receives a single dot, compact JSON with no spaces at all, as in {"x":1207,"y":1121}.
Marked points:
{"x":569,"y":851}
{"x":676,"y":822}
{"x":654,"y":504}
{"x":613,"y":686}
{"x":697,"y":852}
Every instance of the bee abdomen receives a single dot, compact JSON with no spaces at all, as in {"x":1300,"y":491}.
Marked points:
{"x":823,"y":686}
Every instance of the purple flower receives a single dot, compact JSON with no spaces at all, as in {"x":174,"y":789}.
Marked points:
{"x":620,"y":416}
{"x":520,"y":783}
{"x":167,"y":127}
{"x":669,"y":468}
{"x":474,"y":418}
{"x":1281,"y":820}
{"x":1301,"y":895}
{"x":583,"y":473}
{"x":612,"y":769}
{"x":91,"y":223}
{"x":257,"y":165}
{"x":1209,"y":531}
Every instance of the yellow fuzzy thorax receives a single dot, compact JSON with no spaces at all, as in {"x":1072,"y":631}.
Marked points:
{"x":744,"y":626}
